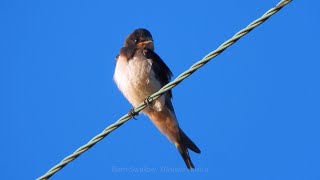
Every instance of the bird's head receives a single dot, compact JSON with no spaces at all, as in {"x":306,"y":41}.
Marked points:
{"x":140,"y":39}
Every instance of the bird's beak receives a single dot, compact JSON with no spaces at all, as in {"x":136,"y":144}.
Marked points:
{"x":146,"y":44}
{"x":149,"y":41}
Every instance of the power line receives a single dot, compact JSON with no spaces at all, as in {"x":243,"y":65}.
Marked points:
{"x":165,"y":88}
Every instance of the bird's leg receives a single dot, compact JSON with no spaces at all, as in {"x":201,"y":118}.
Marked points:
{"x":132,"y":113}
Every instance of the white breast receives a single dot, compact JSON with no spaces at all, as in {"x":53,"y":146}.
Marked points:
{"x":136,"y":80}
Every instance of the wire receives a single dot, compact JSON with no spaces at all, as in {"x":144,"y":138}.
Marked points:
{"x":165,"y":88}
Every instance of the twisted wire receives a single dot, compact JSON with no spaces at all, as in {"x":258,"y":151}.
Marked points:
{"x":165,"y":88}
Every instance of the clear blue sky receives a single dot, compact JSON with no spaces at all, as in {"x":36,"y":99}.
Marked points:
{"x":253,"y":111}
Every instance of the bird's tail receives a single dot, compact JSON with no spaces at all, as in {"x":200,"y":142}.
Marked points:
{"x":186,"y":143}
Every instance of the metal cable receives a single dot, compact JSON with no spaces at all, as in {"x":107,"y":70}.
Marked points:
{"x":165,"y":88}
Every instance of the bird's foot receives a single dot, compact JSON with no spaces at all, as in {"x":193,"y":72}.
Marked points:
{"x":133,"y":113}
{"x":148,"y":101}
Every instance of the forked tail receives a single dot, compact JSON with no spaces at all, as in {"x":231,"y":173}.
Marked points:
{"x":186,"y":143}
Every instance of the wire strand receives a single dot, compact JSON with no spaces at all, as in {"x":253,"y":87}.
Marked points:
{"x":165,"y":88}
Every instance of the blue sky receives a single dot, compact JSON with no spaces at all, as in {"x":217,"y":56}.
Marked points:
{"x":253,"y":111}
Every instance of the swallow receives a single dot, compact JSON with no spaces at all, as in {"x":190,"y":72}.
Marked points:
{"x":140,"y":72}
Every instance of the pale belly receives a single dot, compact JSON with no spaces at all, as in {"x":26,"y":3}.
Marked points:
{"x":136,"y":81}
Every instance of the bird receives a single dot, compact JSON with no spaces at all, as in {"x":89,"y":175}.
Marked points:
{"x":140,"y":72}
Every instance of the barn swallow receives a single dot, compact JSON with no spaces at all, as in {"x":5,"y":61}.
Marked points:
{"x":139,"y":73}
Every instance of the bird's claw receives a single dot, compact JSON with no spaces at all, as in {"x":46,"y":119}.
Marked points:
{"x":132,"y":113}
{"x":148,"y":101}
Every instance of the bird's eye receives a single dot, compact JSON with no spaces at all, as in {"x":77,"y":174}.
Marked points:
{"x":136,"y":40}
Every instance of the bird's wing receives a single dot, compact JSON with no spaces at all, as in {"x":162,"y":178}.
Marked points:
{"x":162,"y":73}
